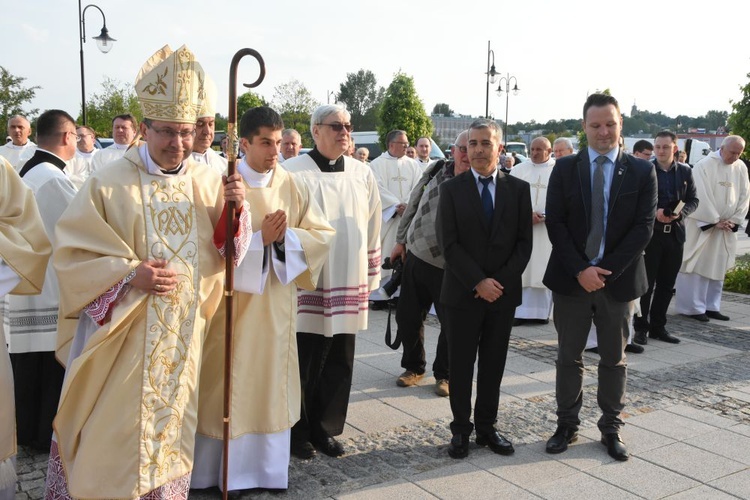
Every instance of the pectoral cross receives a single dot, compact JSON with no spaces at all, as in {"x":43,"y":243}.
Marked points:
{"x":727,"y":185}
{"x":539,"y":186}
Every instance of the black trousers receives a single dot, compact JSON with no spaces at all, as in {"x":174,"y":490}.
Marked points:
{"x":612,"y":330}
{"x":663,"y":259}
{"x":325,"y":365}
{"x":471,"y":332}
{"x":420,"y":288}
{"x":37,"y":382}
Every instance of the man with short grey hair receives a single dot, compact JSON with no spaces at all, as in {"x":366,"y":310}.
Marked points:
{"x":721,"y":183}
{"x":20,"y":148}
{"x":562,"y":147}
{"x":397,"y":174}
{"x":329,"y":317}
{"x":291,"y":143}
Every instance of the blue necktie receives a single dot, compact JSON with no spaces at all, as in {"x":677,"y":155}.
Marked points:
{"x":487,"y":205}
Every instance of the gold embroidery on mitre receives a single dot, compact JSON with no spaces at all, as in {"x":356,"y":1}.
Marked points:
{"x":170,"y":322}
{"x":170,"y":86}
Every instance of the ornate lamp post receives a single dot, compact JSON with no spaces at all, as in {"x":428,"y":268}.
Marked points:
{"x":103,"y":42}
{"x":491,"y":78}
{"x":507,"y":79}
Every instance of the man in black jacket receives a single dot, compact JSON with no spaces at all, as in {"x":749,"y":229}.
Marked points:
{"x":484,"y":230}
{"x":599,"y":216}
{"x":663,"y":257}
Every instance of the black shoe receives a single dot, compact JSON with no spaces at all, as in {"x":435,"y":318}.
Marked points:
{"x":640,"y":338}
{"x":595,"y":350}
{"x":459,"y":446}
{"x":717,"y":315}
{"x":560,"y":440}
{"x":303,"y":449}
{"x":540,"y":321}
{"x":700,"y":317}
{"x":329,"y":446}
{"x":518,"y":321}
{"x":496,"y":442}
{"x":615,"y":447}
{"x":664,"y":336}
{"x":634,"y":349}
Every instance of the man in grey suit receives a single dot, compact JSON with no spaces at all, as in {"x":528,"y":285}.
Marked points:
{"x":599,"y":215}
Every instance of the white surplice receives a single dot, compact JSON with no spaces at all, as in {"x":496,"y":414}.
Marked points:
{"x":536,"y":298}
{"x":108,"y":155}
{"x":17,"y":155}
{"x":212,"y":159}
{"x":79,"y":167}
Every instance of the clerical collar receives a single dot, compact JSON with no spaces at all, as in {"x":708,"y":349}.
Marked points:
{"x":84,"y":154}
{"x":42,"y":156}
{"x":254,"y":178}
{"x":325,"y":164}
{"x":200,"y":157}
{"x":119,"y":146}
{"x":151,"y":165}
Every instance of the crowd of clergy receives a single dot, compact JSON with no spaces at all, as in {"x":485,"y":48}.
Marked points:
{"x":112,"y":280}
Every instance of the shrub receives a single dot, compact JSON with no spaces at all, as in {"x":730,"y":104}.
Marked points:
{"x":738,"y":278}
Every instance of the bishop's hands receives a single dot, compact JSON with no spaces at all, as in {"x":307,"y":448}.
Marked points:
{"x":273,"y":227}
{"x":153,"y":277}
{"x":489,"y":290}
{"x":234,"y":189}
{"x":592,"y":278}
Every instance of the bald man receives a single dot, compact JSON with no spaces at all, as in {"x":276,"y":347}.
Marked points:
{"x":20,"y":149}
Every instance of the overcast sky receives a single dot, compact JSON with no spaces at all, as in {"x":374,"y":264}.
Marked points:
{"x":677,"y":57}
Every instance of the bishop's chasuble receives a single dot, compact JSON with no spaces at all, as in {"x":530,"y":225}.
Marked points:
{"x":128,"y":410}
{"x":265,"y":370}
{"x":24,"y":252}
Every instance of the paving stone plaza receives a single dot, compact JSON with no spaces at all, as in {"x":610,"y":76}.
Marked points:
{"x":687,"y":426}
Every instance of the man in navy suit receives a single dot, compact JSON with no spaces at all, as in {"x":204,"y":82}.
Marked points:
{"x":483,"y":227}
{"x":599,"y":216}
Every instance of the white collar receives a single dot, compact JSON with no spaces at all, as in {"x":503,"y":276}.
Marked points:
{"x":254,"y":178}
{"x":151,"y":165}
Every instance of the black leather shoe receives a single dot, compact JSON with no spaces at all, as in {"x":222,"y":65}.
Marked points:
{"x":540,"y":321}
{"x":595,"y":350}
{"x":303,"y":449}
{"x":664,"y":336}
{"x":633,"y":348}
{"x":518,"y":321}
{"x":459,"y":446}
{"x":615,"y":447}
{"x":717,"y":315}
{"x":640,"y":338}
{"x":330,"y":446}
{"x":560,"y":440}
{"x":700,"y":317}
{"x":495,"y":442}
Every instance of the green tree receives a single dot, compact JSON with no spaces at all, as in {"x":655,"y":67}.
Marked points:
{"x":14,"y":95}
{"x":403,"y":110}
{"x":362,"y":97}
{"x":247,"y":101}
{"x":442,"y":108}
{"x":295,"y":104}
{"x":739,"y":120}
{"x":114,"y":99}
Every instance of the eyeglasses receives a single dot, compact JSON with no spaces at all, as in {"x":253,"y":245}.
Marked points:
{"x":463,"y":149}
{"x":168,"y":133}
{"x":338,"y":127}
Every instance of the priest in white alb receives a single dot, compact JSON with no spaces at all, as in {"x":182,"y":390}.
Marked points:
{"x":80,"y":166}
{"x":20,"y":148}
{"x":24,"y":252}
{"x":288,"y":248}
{"x":536,"y":299}
{"x":30,"y":321}
{"x":721,"y":184}
{"x":124,"y":128}
{"x":139,"y":257}
{"x":397,"y":174}
{"x":329,"y":317}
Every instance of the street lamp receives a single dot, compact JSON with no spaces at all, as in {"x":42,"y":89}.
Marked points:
{"x":103,"y":42}
{"x":491,"y":78}
{"x":507,"y":79}
{"x":330,"y":94}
